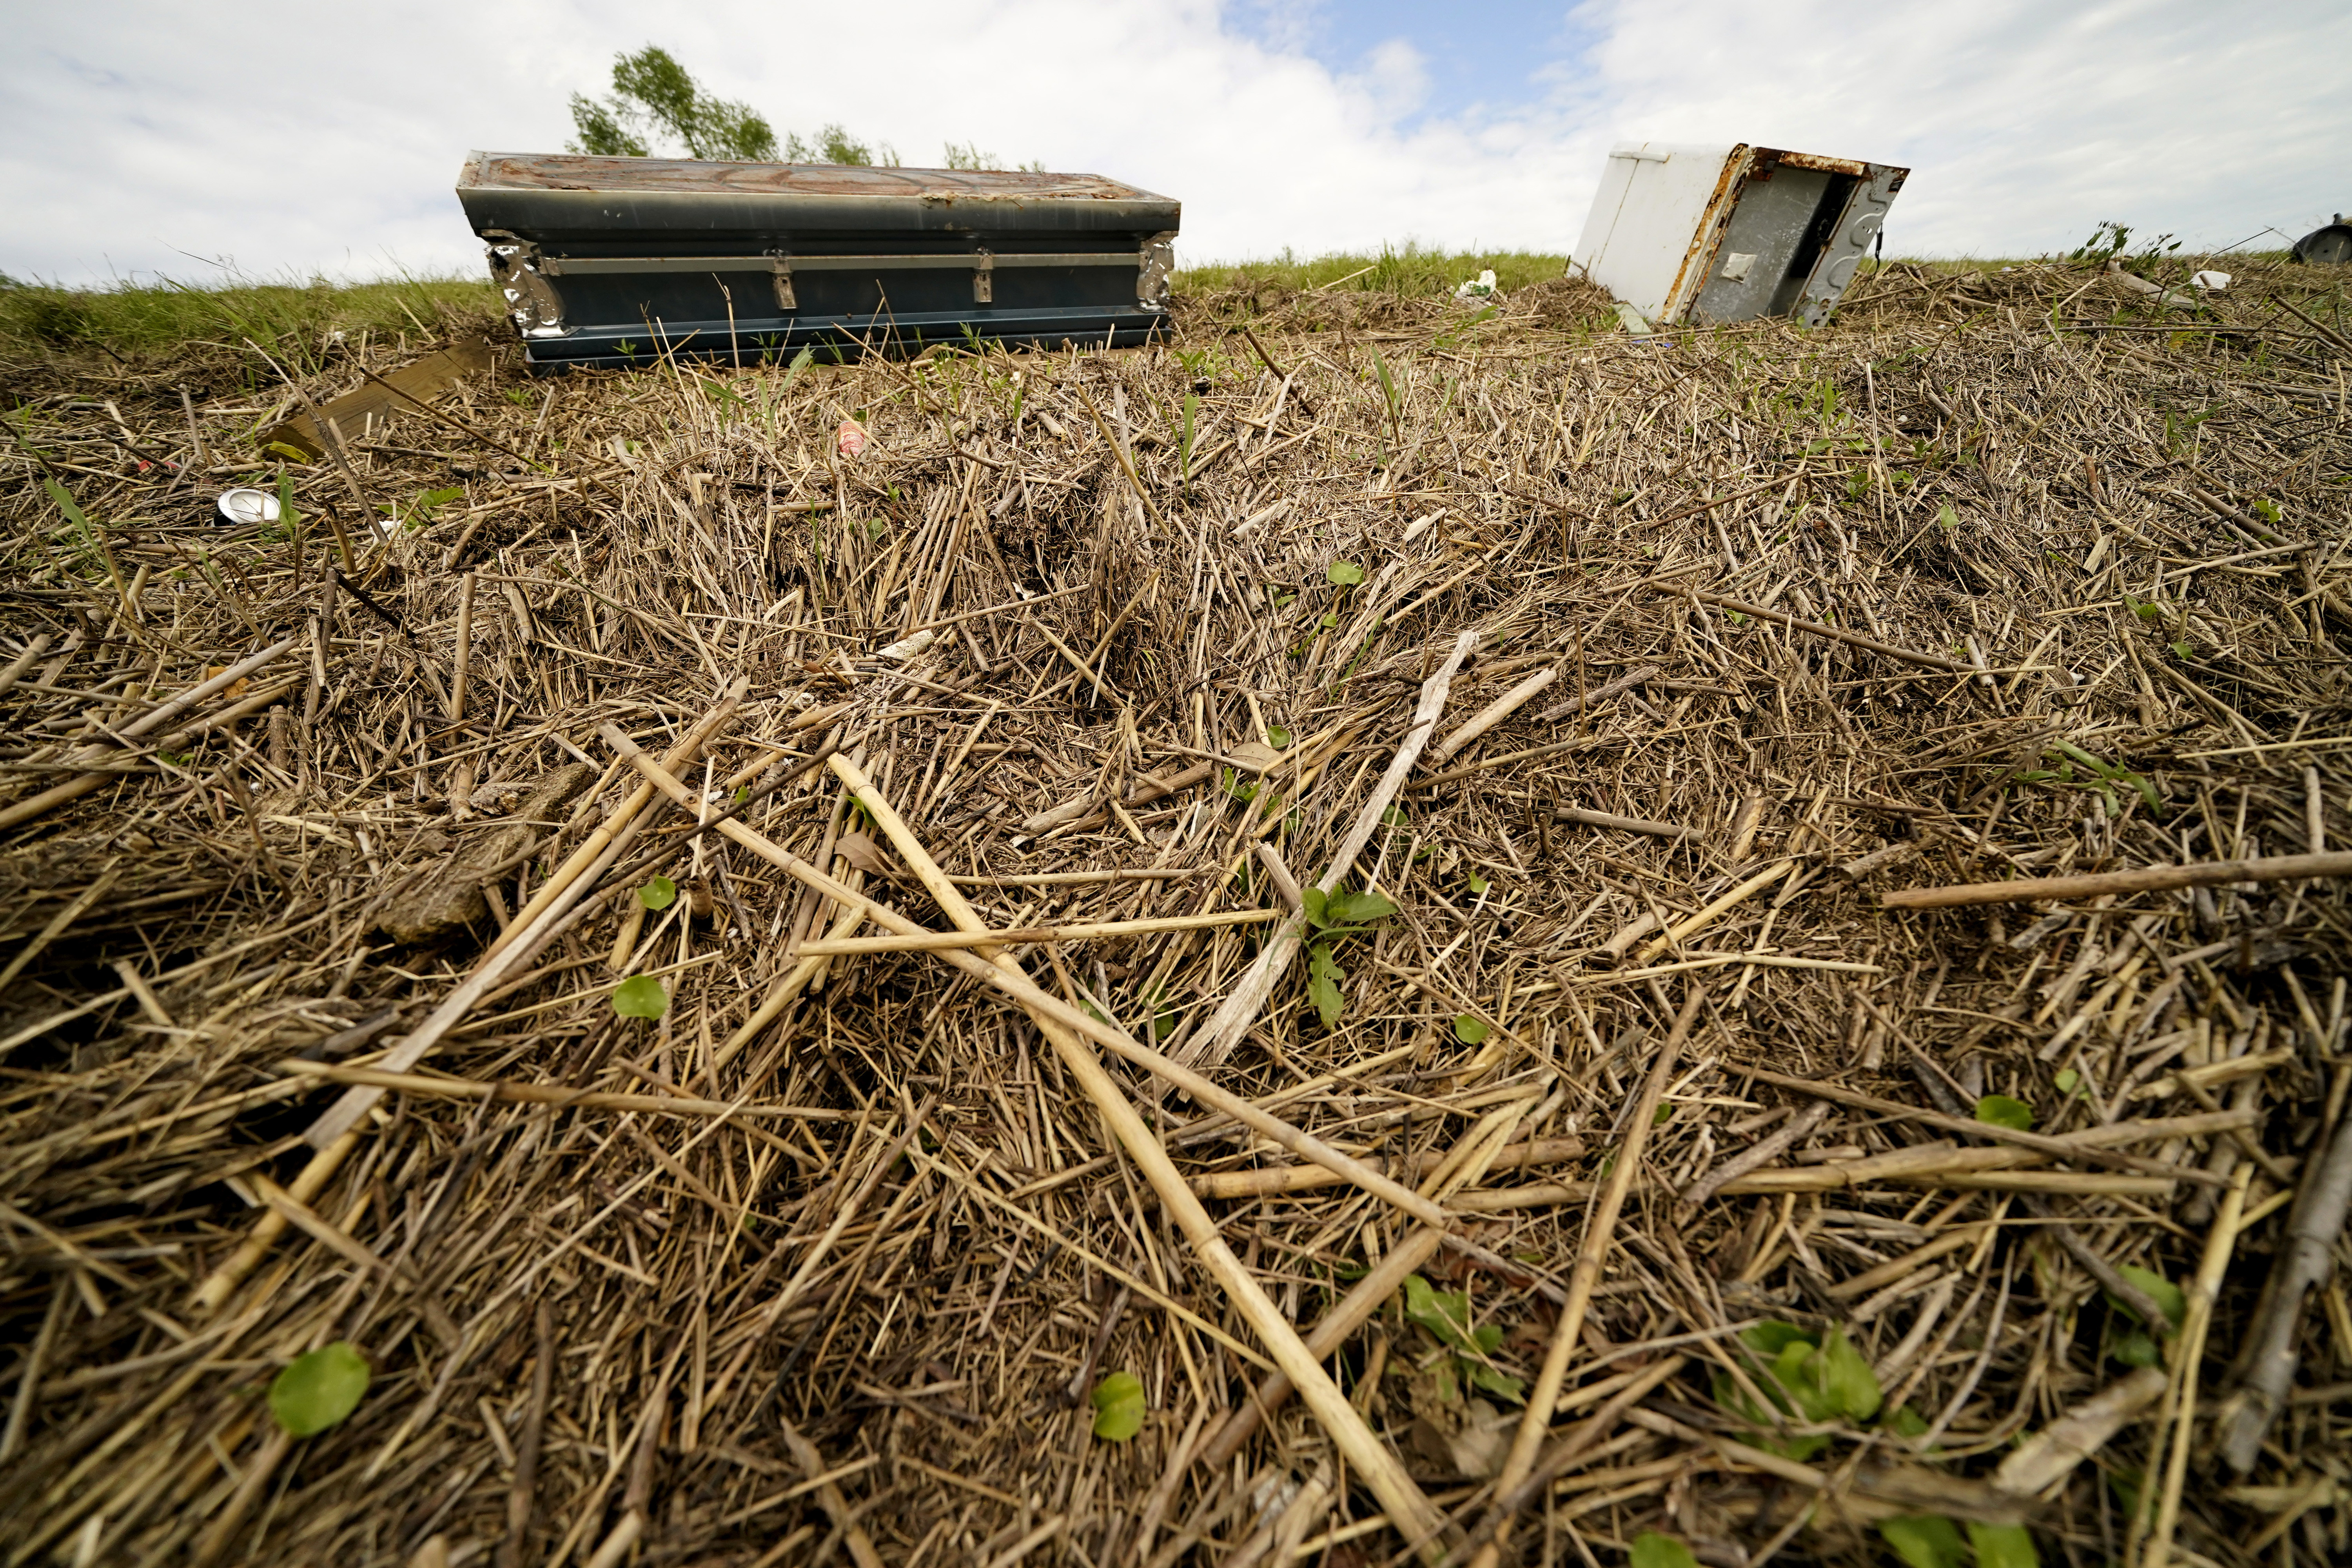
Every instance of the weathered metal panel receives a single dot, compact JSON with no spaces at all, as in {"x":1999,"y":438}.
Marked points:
{"x":1656,"y":198}
{"x":1848,"y":238}
{"x":1774,"y":233}
{"x":615,"y":261}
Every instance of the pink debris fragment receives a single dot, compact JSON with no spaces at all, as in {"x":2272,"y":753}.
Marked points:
{"x":850,"y":437}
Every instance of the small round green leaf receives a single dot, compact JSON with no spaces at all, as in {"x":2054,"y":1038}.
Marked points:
{"x":1925,"y":1541}
{"x":1118,"y":1407}
{"x":640,"y":996}
{"x":1652,"y":1549}
{"x":1276,"y":736}
{"x":658,"y":893}
{"x":316,"y":1391}
{"x":2170,"y":1298}
{"x":2003,"y":1546}
{"x":1470,"y":1029}
{"x":1346,"y":574}
{"x":2000,"y":1110}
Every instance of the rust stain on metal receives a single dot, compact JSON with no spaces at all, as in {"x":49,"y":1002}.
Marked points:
{"x":1854,"y":166}
{"x":574,"y":172}
{"x":1709,"y":239}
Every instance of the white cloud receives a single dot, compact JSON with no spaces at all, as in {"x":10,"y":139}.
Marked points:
{"x":290,"y":138}
{"x":1394,"y":78}
{"x":2027,"y":120}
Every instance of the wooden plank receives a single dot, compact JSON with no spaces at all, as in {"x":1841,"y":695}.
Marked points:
{"x":426,"y":379}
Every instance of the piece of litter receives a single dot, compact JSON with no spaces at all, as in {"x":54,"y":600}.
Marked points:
{"x":246,"y":505}
{"x":1479,"y":288}
{"x":2214,"y":282}
{"x":1711,"y":234}
{"x":850,"y":438}
{"x":907,"y":647}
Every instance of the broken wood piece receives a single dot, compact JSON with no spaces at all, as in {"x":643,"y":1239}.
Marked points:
{"x":2138,"y":284}
{"x":24,"y":661}
{"x":1285,"y":886}
{"x":450,"y":895}
{"x":382,"y":396}
{"x":2147,"y":880}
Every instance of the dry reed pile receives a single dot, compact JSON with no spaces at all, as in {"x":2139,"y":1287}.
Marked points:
{"x":1587,"y":692}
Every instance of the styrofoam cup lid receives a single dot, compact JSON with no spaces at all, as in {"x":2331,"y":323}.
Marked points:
{"x":246,"y":504}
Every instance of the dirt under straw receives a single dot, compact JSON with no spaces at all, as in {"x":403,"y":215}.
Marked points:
{"x":2001,"y":575}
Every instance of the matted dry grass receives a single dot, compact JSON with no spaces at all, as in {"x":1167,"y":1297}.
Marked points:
{"x":829,"y":1259}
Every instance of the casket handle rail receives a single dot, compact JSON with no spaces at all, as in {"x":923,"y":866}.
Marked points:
{"x":1153,"y":264}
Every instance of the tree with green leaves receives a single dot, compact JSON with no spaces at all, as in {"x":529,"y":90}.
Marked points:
{"x":653,"y":95}
{"x":833,"y":144}
{"x":655,"y":98}
{"x":968,"y":155}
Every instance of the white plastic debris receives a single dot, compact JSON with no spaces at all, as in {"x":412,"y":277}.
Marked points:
{"x":1739,"y":265}
{"x":1479,"y":288}
{"x":246,"y":505}
{"x":907,"y":647}
{"x":2212,"y":282}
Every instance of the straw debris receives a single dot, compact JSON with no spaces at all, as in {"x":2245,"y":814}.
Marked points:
{"x":1203,"y":928}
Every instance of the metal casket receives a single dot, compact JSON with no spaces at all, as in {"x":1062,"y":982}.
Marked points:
{"x":1713,"y":234}
{"x":613,"y":261}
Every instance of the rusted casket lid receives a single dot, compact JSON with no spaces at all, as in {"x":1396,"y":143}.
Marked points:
{"x":542,"y":194}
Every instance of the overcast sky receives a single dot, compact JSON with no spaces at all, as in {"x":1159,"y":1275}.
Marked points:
{"x":271,"y":138}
